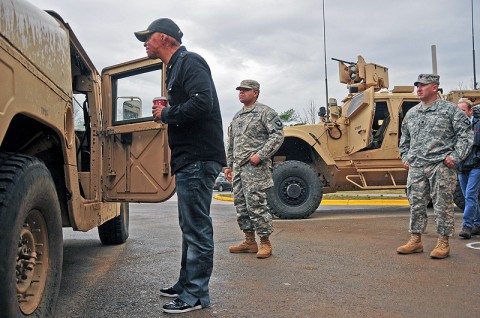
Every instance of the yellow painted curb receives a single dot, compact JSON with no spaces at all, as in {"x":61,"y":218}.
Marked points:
{"x":222,"y":198}
{"x":395,"y":202}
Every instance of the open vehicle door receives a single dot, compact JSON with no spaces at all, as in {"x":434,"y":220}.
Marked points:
{"x":360,"y":115}
{"x":136,"y":157}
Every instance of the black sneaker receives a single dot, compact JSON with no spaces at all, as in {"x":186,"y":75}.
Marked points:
{"x":466,"y":232}
{"x":476,"y":230}
{"x":168,"y":292}
{"x":178,"y":306}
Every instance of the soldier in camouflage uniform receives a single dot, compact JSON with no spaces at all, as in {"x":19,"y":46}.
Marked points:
{"x":436,"y":135}
{"x":255,"y":134}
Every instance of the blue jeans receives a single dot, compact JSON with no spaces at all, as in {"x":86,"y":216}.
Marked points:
{"x":194,"y":192}
{"x":470,"y":184}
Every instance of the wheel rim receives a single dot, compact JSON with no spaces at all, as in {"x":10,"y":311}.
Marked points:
{"x":32,"y":262}
{"x":293,"y":191}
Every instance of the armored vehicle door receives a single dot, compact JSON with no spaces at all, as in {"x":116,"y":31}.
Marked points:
{"x":136,"y":157}
{"x":359,"y":115}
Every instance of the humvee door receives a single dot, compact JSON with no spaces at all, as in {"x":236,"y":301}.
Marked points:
{"x":136,"y":157}
{"x":360,"y":118}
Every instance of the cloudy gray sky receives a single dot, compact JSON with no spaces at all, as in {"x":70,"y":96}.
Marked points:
{"x":280,"y":42}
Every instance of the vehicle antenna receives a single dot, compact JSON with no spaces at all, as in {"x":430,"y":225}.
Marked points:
{"x":473,"y":52}
{"x":325,"y":57}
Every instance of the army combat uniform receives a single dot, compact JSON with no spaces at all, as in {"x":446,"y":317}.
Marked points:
{"x":255,"y":130}
{"x":429,"y":135}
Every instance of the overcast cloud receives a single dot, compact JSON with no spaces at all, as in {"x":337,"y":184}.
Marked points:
{"x":280,"y":42}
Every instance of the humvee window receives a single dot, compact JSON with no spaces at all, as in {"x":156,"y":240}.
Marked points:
{"x":133,"y":95}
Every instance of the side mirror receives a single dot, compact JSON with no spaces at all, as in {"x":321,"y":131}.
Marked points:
{"x":132,"y":107}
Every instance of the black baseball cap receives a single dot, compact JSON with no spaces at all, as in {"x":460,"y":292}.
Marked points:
{"x":162,"y":25}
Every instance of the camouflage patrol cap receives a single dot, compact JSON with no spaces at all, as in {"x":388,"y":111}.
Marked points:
{"x":249,"y":84}
{"x":162,"y":25}
{"x":427,"y":79}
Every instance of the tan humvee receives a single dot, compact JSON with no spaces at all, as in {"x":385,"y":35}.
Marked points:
{"x":353,"y":147}
{"x":72,"y":143}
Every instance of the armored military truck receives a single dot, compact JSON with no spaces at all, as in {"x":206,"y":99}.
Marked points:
{"x":75,"y":147}
{"x":353,"y":147}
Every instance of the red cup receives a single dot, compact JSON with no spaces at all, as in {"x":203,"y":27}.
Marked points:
{"x":162,"y":100}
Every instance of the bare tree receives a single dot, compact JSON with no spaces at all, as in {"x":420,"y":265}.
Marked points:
{"x":310,"y":114}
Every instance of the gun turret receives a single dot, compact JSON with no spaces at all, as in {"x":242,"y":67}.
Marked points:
{"x":359,"y":76}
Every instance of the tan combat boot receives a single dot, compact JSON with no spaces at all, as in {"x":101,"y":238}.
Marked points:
{"x":265,"y":248}
{"x":414,"y":245}
{"x":442,"y":250}
{"x":247,"y":246}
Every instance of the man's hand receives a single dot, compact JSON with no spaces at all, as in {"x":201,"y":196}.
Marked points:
{"x":157,"y":112}
{"x":449,"y":162}
{"x":405,"y":165}
{"x":255,"y":160}
{"x":228,"y":174}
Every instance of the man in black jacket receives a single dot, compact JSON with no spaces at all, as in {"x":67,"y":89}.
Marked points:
{"x":195,"y":136}
{"x":469,"y":177}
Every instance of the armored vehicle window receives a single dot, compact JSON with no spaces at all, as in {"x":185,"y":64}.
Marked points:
{"x":356,"y":104}
{"x":406,"y":106}
{"x":381,"y":113}
{"x":381,"y":120}
{"x":133,"y":95}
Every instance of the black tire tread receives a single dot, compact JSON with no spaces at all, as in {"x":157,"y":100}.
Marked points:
{"x":15,"y":173}
{"x":114,"y":231}
{"x":282,"y":210}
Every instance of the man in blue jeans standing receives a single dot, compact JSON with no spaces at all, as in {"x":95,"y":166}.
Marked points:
{"x":195,"y":137}
{"x":469,"y":177}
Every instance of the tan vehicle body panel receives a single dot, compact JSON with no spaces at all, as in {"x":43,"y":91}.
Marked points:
{"x":128,"y":176}
{"x":346,"y":163}
{"x":35,"y":66}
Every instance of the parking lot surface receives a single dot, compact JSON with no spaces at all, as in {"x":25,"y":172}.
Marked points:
{"x":341,"y":262}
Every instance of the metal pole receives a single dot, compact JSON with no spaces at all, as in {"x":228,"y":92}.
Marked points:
{"x":325,"y":57}
{"x":473,"y":52}
{"x":434,"y":59}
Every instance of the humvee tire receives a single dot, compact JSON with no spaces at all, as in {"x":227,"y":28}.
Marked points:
{"x":458,"y":198}
{"x":296,"y":192}
{"x":115,"y":231}
{"x":31,"y":238}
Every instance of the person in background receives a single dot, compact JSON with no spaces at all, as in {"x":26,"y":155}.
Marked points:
{"x":436,"y":135}
{"x":195,"y":137}
{"x":469,"y":177}
{"x":254,"y":135}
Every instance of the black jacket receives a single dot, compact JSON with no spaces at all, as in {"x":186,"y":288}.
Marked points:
{"x":473,"y":158}
{"x":195,"y":130}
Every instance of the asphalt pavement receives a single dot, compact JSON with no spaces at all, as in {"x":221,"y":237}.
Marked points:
{"x":341,"y":262}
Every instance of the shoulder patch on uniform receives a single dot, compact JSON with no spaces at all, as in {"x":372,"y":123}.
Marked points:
{"x":467,"y":122}
{"x":279,"y":123}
